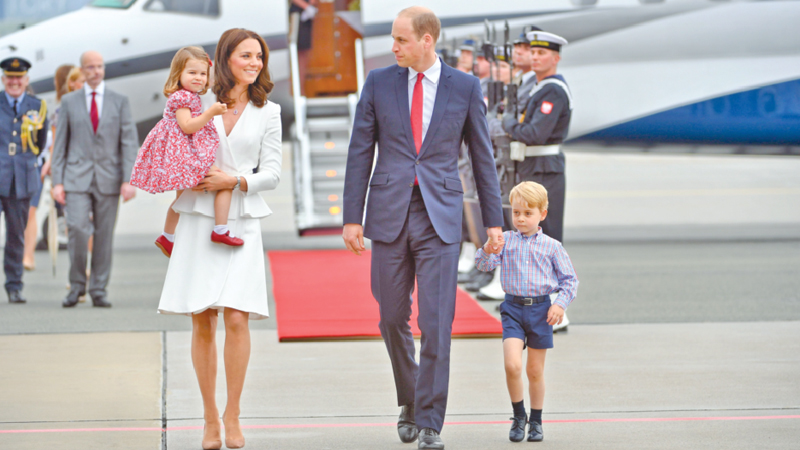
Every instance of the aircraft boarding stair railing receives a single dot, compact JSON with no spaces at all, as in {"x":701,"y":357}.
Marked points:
{"x":320,"y":138}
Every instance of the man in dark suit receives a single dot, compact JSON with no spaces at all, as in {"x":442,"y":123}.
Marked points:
{"x":23,"y":131}
{"x":418,"y":112}
{"x":93,"y":156}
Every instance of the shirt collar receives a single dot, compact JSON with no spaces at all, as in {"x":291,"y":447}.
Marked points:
{"x":11,"y":99}
{"x":534,"y":235}
{"x":433,"y":73}
{"x":101,"y":89}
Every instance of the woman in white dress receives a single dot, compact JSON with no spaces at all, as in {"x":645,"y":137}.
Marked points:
{"x":205,"y":278}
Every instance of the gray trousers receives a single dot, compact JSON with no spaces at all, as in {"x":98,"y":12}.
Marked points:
{"x":16,"y":214}
{"x":103,"y":209}
{"x":417,"y":253}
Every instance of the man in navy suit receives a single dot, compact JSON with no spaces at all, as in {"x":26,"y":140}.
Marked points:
{"x":23,"y":131}
{"x":418,"y":112}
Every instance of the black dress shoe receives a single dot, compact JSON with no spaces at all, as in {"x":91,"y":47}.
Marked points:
{"x":517,"y":433}
{"x":406,"y":426}
{"x":15,"y":297}
{"x":429,"y":438}
{"x":480,"y":280}
{"x":72,"y":299}
{"x":535,"y":432}
{"x":468,"y":276}
{"x":100,"y":301}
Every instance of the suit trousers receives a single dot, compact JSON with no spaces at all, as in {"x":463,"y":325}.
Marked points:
{"x":419,"y":253}
{"x":556,"y":185}
{"x":103,"y":209}
{"x":16,"y":214}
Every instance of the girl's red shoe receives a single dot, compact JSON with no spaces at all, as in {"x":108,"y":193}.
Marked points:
{"x":165,"y":245}
{"x":226,"y":239}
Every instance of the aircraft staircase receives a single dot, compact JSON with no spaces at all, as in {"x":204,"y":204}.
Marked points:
{"x":320,"y":138}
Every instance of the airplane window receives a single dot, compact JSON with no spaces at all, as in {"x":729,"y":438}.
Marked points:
{"x":204,"y":7}
{"x":121,"y":4}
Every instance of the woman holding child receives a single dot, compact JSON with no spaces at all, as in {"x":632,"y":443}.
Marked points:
{"x":204,"y":277}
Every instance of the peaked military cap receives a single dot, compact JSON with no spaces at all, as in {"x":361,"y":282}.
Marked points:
{"x":468,"y":45}
{"x":521,"y":39}
{"x":539,"y":38}
{"x":15,"y":66}
{"x":499,"y":53}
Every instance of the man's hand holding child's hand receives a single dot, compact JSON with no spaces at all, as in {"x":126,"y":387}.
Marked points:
{"x":492,"y":248}
{"x":496,"y":241}
{"x":555,"y":315}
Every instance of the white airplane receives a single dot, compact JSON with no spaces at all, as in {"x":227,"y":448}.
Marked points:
{"x":646,"y":70}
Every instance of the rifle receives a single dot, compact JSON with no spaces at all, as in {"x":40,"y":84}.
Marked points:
{"x":506,"y":167}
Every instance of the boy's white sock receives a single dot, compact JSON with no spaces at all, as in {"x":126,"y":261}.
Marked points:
{"x":221,"y":229}
{"x":170,"y":237}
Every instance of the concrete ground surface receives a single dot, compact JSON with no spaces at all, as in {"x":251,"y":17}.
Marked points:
{"x":685,"y":333}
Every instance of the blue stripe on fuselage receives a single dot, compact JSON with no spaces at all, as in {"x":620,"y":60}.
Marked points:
{"x":769,"y":115}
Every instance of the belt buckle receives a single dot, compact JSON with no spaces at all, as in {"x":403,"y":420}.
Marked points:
{"x":527,"y":301}
{"x":12,"y":149}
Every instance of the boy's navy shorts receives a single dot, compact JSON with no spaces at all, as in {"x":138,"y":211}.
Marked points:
{"x":527,"y":322}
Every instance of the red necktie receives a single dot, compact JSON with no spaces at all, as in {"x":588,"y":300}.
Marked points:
{"x":93,"y":113}
{"x":416,"y":112}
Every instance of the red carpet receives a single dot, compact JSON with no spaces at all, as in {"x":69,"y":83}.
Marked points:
{"x":325,"y":294}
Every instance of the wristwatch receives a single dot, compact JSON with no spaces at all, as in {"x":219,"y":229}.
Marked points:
{"x":238,"y":183}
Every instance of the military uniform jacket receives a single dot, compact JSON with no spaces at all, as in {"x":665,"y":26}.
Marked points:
{"x":80,"y":155}
{"x":545,"y":122}
{"x":21,"y":168}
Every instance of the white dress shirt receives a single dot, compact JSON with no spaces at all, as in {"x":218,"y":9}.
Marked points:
{"x":429,"y":85}
{"x":101,"y":89}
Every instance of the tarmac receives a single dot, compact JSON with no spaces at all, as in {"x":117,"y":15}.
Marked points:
{"x":685,"y":333}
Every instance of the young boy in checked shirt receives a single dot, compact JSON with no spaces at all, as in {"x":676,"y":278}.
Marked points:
{"x":533,"y":267}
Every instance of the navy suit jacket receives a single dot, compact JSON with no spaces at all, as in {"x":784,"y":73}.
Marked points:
{"x":22,"y":167}
{"x":383,"y":118}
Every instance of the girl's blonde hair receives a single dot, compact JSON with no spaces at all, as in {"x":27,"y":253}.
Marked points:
{"x":531,"y":193}
{"x":179,"y":63}
{"x":73,"y":75}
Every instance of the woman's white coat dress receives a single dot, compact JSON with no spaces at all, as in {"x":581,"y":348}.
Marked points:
{"x":203,"y":274}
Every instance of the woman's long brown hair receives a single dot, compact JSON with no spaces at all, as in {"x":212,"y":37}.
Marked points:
{"x":224,"y":80}
{"x":60,"y":80}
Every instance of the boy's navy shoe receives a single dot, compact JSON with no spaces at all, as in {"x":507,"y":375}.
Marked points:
{"x":429,"y":438}
{"x":535,"y":432}
{"x":517,"y":433}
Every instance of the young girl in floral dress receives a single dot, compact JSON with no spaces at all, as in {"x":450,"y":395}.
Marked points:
{"x":182,"y":147}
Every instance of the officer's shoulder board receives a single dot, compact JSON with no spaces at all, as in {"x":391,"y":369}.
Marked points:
{"x":553,"y":82}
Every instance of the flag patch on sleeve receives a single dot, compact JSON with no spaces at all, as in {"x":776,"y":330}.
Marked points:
{"x":547,"y":107}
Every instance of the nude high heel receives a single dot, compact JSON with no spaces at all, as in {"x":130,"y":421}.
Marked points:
{"x":213,"y":443}
{"x":233,"y":442}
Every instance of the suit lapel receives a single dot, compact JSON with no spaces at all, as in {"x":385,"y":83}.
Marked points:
{"x":439,"y":107}
{"x":81,"y":105}
{"x":25,"y":106}
{"x":103,"y":110}
{"x":5,"y":106}
{"x":401,"y":87}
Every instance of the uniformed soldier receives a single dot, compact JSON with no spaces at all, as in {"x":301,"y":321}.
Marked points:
{"x":466,"y":55}
{"x":526,"y":78}
{"x":23,"y":131}
{"x":542,"y":127}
